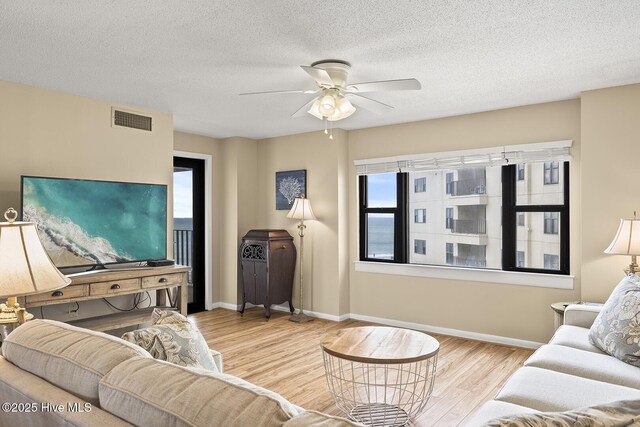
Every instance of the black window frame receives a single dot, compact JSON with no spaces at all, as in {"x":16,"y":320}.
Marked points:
{"x":400,"y":219}
{"x":510,"y":209}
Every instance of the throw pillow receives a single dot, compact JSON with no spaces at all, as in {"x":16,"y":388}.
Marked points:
{"x":174,"y":339}
{"x":616,"y":330}
{"x":621,"y":413}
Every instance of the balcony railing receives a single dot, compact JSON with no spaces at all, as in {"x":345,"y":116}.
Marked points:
{"x":467,"y":187}
{"x":469,"y":262}
{"x":467,"y":226}
{"x":182,"y":248}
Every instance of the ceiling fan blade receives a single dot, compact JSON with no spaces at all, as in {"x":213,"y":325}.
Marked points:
{"x":281,"y":91}
{"x":303,"y":110}
{"x":319,"y":75}
{"x":384,"y":85}
{"x":369,"y":104}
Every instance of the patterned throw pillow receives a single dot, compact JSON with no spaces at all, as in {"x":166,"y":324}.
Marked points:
{"x":174,"y":339}
{"x":614,"y":414}
{"x":616,"y":330}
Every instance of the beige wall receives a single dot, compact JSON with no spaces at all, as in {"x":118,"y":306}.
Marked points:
{"x":610,"y":152}
{"x":325,"y":250}
{"x":56,"y":134}
{"x":504,"y":310}
{"x":239,"y":212}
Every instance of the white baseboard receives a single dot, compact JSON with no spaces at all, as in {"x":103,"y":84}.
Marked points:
{"x":448,"y":331}
{"x":401,"y":324}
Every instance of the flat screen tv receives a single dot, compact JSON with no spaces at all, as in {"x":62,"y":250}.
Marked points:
{"x":95,"y":223}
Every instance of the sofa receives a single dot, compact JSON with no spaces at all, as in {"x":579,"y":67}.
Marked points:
{"x":54,"y":374}
{"x":567,"y":373}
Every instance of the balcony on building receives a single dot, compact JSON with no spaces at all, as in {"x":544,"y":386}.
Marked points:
{"x":470,"y":187}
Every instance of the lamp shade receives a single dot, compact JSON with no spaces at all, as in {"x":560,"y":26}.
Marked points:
{"x":301,"y":209}
{"x":627,"y":239}
{"x":25,"y":267}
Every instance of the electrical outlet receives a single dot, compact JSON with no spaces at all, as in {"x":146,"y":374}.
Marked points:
{"x":73,"y":312}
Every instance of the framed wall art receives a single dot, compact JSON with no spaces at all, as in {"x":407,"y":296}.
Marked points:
{"x":289,"y":185}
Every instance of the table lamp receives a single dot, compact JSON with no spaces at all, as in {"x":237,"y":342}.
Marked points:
{"x":627,"y":242}
{"x":301,"y":210}
{"x":25,"y":267}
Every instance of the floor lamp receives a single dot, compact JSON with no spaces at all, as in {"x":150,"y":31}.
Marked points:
{"x":301,"y":210}
{"x":25,"y":267}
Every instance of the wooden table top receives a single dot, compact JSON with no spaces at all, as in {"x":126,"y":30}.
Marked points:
{"x":380,"y":344}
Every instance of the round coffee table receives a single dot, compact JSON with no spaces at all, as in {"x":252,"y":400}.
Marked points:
{"x":380,"y":376}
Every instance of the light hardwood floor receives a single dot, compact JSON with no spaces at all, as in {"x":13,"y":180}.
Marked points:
{"x":285,"y":357}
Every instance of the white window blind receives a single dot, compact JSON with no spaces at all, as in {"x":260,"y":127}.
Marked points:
{"x":495,"y":156}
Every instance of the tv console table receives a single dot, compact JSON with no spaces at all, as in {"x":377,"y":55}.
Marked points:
{"x":109,"y":283}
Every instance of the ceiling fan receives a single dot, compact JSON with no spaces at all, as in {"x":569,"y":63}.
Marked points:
{"x":336,"y":99}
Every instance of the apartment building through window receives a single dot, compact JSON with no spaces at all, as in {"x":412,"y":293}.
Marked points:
{"x":477,"y":216}
{"x":420,"y":185}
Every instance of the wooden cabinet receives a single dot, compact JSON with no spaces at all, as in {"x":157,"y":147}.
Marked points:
{"x":268,"y":261}
{"x":108,"y":283}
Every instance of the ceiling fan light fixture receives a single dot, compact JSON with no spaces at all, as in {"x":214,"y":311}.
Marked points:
{"x":315,"y":109}
{"x":344,"y":109}
{"x":327,"y":105}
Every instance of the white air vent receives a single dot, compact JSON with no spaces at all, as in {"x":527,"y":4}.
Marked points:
{"x":128,"y":119}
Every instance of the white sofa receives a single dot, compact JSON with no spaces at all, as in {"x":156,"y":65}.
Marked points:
{"x":53,"y":374}
{"x":568,"y":373}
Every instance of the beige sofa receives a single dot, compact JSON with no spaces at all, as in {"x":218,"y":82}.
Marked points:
{"x":54,"y":374}
{"x":568,"y":373}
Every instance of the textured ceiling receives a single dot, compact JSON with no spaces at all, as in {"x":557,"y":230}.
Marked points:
{"x":193,"y":58}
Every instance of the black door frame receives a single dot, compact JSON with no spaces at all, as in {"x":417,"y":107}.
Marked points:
{"x":198,"y":237}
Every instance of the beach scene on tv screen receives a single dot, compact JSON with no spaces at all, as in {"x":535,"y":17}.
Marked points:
{"x":97,"y":222}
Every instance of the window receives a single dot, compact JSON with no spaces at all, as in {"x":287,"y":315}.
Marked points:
{"x":383,"y":217}
{"x":449,"y":183}
{"x":420,"y":185}
{"x":479,"y":215}
{"x":551,"y":173}
{"x":448,"y":222}
{"x":449,"y":253}
{"x":547,"y":212}
{"x":551,"y":262}
{"x":551,"y":220}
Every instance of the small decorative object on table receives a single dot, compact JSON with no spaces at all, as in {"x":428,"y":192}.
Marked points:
{"x":380,"y":376}
{"x":558,"y":311}
{"x":25,"y":267}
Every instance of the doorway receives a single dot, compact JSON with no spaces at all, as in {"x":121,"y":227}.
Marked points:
{"x":189,"y":225}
